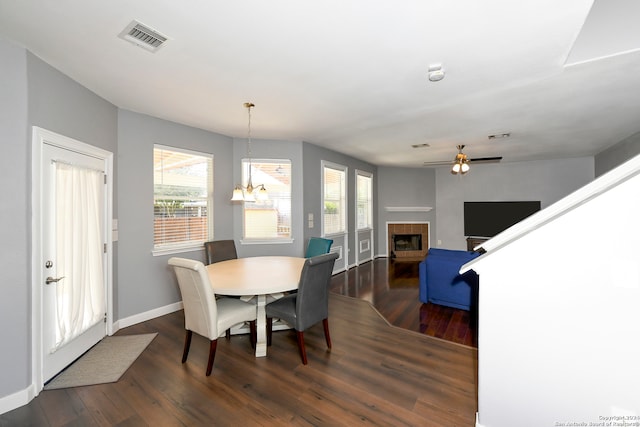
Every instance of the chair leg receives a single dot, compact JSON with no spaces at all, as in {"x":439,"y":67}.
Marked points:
{"x":269,"y":330}
{"x":212,"y":355}
{"x":327,"y":337}
{"x":228,"y":334}
{"x":303,"y":351}
{"x":252,"y":333}
{"x":187,"y":344}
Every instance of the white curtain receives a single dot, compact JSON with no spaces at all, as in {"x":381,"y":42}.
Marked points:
{"x":80,"y":299}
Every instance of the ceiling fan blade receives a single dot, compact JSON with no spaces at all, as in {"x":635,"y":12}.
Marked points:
{"x":441,"y":163}
{"x":486,"y":159}
{"x":476,"y":160}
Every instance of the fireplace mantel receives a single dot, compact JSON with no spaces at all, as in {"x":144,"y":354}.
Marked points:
{"x":408,"y":208}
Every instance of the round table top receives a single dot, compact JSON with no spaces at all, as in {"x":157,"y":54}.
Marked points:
{"x":255,"y":275}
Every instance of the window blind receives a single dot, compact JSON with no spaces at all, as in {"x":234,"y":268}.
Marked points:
{"x":183,"y":197}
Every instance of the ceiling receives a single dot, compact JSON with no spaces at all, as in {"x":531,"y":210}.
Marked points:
{"x":561,"y":77}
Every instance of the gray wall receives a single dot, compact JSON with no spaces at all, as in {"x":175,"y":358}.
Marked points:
{"x":145,"y":282}
{"x":618,"y":154}
{"x":547,"y":181}
{"x":405,"y":187}
{"x":313,"y":156}
{"x":61,"y":105}
{"x":15,"y":303}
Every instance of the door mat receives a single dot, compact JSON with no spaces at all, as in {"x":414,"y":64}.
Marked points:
{"x":105,"y":362}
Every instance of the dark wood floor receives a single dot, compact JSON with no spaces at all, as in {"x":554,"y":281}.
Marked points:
{"x":376,"y":374}
{"x":391,"y":286}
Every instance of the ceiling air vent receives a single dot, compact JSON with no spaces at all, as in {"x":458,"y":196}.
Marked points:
{"x":143,"y":36}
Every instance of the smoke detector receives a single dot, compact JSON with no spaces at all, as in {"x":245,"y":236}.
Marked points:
{"x":143,"y":36}
{"x":436,"y":73}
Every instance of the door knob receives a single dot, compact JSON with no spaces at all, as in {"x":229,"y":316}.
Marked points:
{"x":49,"y":280}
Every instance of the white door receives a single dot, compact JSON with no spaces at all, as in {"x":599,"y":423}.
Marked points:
{"x":73,"y":255}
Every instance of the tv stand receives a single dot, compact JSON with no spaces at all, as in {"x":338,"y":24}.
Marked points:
{"x":472,"y":242}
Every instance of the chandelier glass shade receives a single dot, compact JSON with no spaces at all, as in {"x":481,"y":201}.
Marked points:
{"x":248,"y":193}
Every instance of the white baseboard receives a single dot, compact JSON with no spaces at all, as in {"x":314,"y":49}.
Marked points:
{"x":478,"y":422}
{"x":16,"y":400}
{"x":147,"y":315}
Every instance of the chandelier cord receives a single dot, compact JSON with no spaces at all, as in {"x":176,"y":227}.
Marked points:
{"x":249,"y":105}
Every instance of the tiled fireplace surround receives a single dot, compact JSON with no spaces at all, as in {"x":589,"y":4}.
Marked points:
{"x":408,"y":228}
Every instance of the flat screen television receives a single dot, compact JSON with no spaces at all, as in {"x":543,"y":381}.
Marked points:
{"x":486,"y":219}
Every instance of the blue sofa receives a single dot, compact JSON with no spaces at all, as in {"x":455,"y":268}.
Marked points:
{"x":440,"y":280}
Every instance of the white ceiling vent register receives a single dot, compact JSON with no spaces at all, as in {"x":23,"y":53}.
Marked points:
{"x":143,"y":36}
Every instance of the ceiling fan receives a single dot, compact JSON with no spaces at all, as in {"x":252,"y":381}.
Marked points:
{"x":460,"y":164}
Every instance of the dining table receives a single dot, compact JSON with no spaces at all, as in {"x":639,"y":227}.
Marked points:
{"x":259,"y":277}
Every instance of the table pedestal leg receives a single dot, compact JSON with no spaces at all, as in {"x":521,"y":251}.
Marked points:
{"x":261,"y":322}
{"x":261,"y":327}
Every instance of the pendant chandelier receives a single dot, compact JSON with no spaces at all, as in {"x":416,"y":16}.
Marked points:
{"x":240,"y":192}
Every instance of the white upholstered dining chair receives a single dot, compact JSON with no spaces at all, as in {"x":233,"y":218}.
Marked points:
{"x":203,"y":313}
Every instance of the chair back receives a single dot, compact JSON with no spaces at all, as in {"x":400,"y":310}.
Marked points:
{"x":318,"y":246}
{"x":220,"y":250}
{"x":198,"y":298}
{"x":312,"y":301}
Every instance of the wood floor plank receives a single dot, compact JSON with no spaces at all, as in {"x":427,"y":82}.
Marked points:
{"x":27,"y":415}
{"x":336,"y":402}
{"x":106,"y":409}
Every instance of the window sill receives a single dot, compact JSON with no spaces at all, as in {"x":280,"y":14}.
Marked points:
{"x":177,"y":250}
{"x":265,"y":241}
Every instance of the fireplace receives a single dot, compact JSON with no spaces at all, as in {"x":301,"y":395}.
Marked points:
{"x":408,"y":241}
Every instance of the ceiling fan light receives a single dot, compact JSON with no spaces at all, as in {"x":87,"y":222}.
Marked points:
{"x":464,"y":168}
{"x":456,"y":168}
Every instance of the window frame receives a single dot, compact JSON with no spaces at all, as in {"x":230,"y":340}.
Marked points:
{"x":369,"y":175}
{"x":189,"y":245}
{"x":344,"y":199}
{"x":244,"y":177}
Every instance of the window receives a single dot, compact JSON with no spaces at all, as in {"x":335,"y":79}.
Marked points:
{"x":268,"y":219}
{"x":364,"y":200}
{"x":182,"y":198}
{"x":334,"y":198}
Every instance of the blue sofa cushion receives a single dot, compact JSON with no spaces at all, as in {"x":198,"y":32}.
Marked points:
{"x":440,"y":280}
